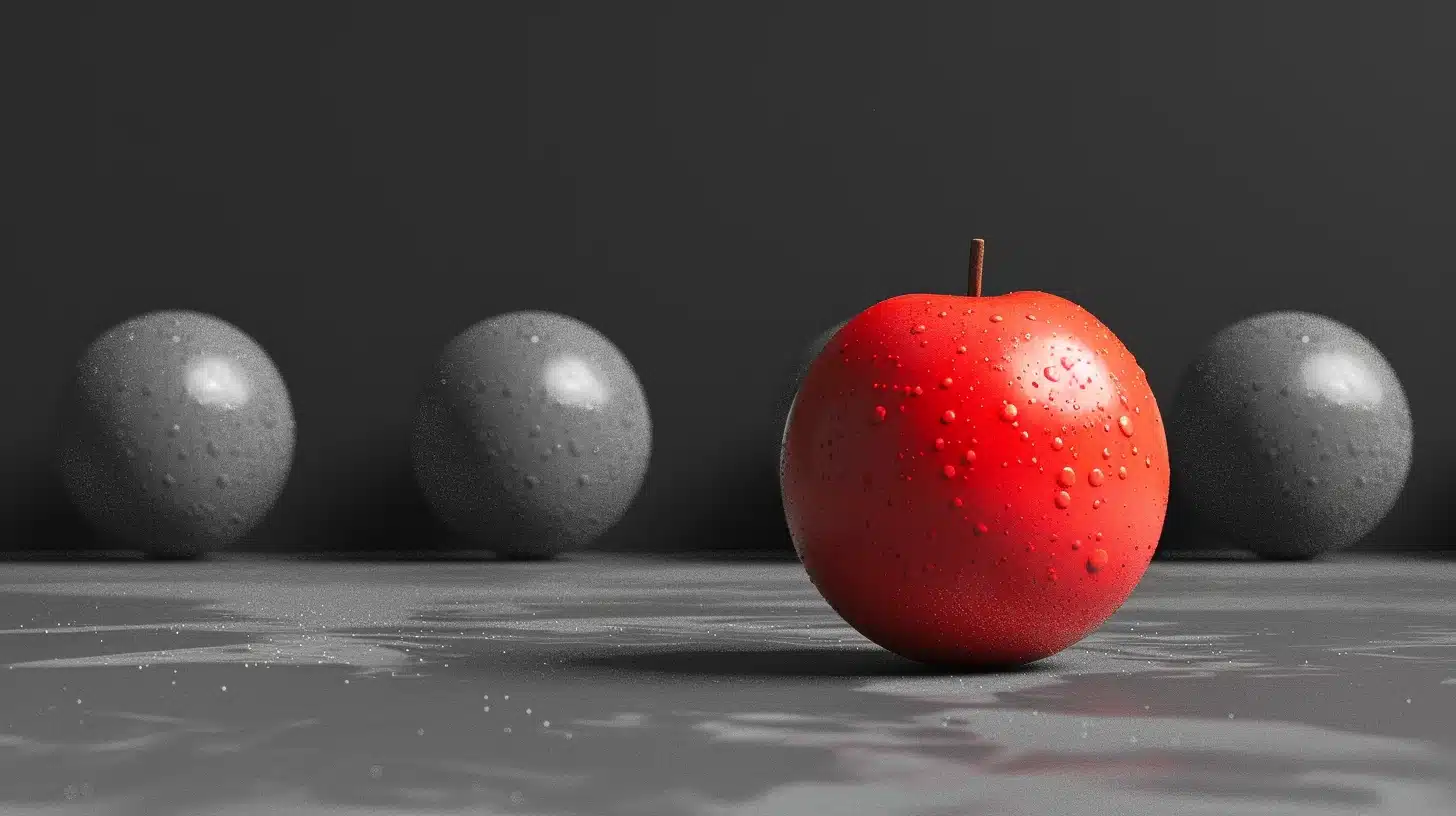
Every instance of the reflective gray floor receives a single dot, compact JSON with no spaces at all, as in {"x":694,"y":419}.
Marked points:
{"x":614,"y":685}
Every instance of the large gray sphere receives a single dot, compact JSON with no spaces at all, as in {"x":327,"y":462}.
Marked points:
{"x":1290,"y":434}
{"x":176,"y":433}
{"x":533,"y":436}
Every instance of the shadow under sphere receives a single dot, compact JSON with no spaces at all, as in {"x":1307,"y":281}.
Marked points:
{"x":533,"y":435}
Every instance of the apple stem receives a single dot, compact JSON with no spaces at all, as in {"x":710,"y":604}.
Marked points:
{"x":978,"y":256}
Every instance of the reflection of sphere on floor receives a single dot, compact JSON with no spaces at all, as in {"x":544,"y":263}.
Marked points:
{"x":176,"y":433}
{"x":1290,"y":435}
{"x":533,"y":435}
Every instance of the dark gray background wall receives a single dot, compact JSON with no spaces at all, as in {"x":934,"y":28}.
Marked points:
{"x":710,"y":184}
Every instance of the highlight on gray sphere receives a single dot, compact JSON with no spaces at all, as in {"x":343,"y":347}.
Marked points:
{"x":1291,"y":435}
{"x":533,"y":436}
{"x":175,"y":433}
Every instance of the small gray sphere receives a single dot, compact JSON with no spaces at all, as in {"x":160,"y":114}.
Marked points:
{"x":533,"y":436}
{"x":1290,"y":434}
{"x":176,"y":433}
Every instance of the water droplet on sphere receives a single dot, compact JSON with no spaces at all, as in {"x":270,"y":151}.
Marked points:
{"x":1064,"y":500}
{"x":1067,"y":477}
{"x":1097,"y":560}
{"x":1095,"y":477}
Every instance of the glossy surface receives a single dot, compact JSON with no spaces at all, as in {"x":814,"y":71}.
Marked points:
{"x":636,"y":687}
{"x":175,"y":433}
{"x":975,"y":480}
{"x":1291,"y":435}
{"x":533,"y":436}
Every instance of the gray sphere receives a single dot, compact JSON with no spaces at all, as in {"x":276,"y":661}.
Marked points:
{"x":1290,"y":434}
{"x":806,"y":358}
{"x":533,"y":436}
{"x":176,"y":433}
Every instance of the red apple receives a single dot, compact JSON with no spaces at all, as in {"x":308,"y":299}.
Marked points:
{"x":975,"y":480}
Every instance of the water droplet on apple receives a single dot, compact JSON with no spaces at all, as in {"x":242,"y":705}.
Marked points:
{"x":880,"y":413}
{"x":1067,"y":363}
{"x":1122,"y":473}
{"x":1064,"y":499}
{"x":1095,"y":477}
{"x":949,"y":471}
{"x":1067,"y":477}
{"x":1076,"y":543}
{"x":1008,"y":412}
{"x":1124,"y":423}
{"x":956,"y":502}
{"x":1050,"y":372}
{"x":970,"y":457}
{"x":996,"y":318}
{"x":939,"y":443}
{"x":1097,"y":560}
{"x":948,"y":417}
{"x":1057,"y":443}
{"x":1106,"y":454}
{"x":960,"y":349}
{"x":947,"y":382}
